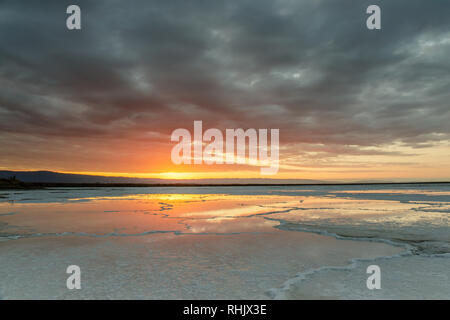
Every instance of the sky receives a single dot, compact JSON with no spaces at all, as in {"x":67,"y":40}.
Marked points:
{"x":350,"y":103}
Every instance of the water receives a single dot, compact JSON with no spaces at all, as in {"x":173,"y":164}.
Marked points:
{"x":285,"y":242}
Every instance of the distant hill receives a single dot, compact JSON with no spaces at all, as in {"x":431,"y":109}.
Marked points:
{"x":56,"y":177}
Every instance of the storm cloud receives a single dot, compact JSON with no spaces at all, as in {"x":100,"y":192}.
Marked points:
{"x":140,"y":69}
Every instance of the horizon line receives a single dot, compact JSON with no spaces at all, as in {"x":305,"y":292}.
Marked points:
{"x":174,"y":180}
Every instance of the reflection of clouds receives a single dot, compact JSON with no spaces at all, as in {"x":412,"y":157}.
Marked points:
{"x":231,"y":225}
{"x":231,"y":212}
{"x":416,"y":216}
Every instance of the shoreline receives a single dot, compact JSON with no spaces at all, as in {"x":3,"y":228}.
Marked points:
{"x":45,"y":185}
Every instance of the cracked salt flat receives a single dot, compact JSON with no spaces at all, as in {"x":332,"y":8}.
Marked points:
{"x":221,"y":242}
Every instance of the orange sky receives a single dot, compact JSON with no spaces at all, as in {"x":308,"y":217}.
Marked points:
{"x":138,"y":160}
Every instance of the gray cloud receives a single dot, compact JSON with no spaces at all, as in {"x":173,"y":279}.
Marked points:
{"x":310,"y":68}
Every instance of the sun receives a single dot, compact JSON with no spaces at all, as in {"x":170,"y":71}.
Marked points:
{"x":177,"y":175}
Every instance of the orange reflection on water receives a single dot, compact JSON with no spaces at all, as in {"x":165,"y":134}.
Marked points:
{"x":141,"y":213}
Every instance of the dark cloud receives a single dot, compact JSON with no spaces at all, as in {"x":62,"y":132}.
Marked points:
{"x":310,"y":68}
